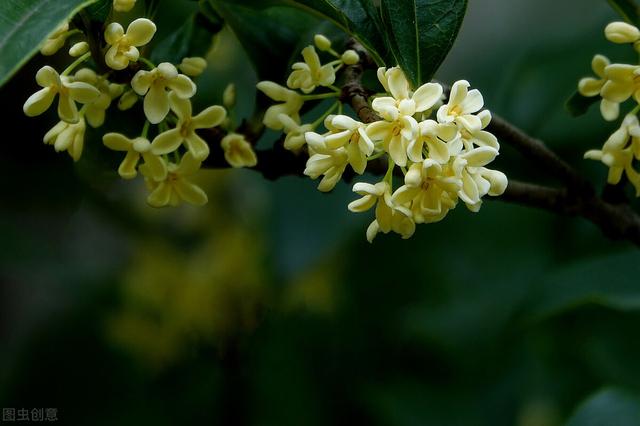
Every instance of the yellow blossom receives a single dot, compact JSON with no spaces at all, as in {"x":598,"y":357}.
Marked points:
{"x":462,"y":106}
{"x":153,"y":86}
{"x":238,"y":152}
{"x":309,"y":74}
{"x":434,"y":136}
{"x":295,"y":132}
{"x":67,"y":137}
{"x":136,"y":148}
{"x":621,"y":32}
{"x":478,"y":181}
{"x":69,"y":93}
{"x":123,"y":46}
{"x":590,"y":87}
{"x":402,"y":99}
{"x":127,"y":100}
{"x":396,"y":132}
{"x":56,"y":40}
{"x":95,"y":111}
{"x":185,"y":131}
{"x":329,"y":163}
{"x":177,"y":186}
{"x":193,"y":66}
{"x":291,"y":104}
{"x":346,"y":132}
{"x":623,"y":81}
{"x":79,"y":49}
{"x":123,"y":5}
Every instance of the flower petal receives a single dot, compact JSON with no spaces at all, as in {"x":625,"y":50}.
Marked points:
{"x":141,"y":31}
{"x":427,"y":95}
{"x":82,"y":92}
{"x":127,"y":169}
{"x":182,"y":86}
{"x":166,"y":142}
{"x":156,"y":104}
{"x":39,"y":102}
{"x":197,"y":146}
{"x":210,"y":117}
{"x":190,"y":192}
{"x":117,"y":142}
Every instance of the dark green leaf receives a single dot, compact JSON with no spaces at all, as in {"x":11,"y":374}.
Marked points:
{"x":270,"y":36}
{"x":193,"y":38}
{"x":24,"y":24}
{"x":578,"y":105}
{"x":608,"y":407}
{"x":628,"y":9}
{"x":99,"y":11}
{"x":359,"y":18}
{"x":421,"y":33}
{"x":611,"y":281}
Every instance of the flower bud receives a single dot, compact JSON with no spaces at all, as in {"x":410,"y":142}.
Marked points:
{"x":193,"y":67}
{"x":322,"y":42}
{"x":123,"y":5}
{"x":229,"y":96}
{"x":350,"y":57}
{"x":79,"y":49}
{"x":128,"y":100}
{"x":55,"y":40}
{"x":621,"y":32}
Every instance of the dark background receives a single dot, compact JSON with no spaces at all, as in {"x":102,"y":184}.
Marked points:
{"x":268,"y":306}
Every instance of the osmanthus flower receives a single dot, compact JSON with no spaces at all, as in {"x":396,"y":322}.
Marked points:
{"x":123,"y":5}
{"x":622,"y":33}
{"x":434,"y":136}
{"x":346,"y":132}
{"x":329,"y":163}
{"x":623,"y":82}
{"x":590,"y":86}
{"x":95,"y":111}
{"x":193,"y":66}
{"x":388,"y":216}
{"x":469,"y":140}
{"x":123,"y":46}
{"x":69,"y":92}
{"x":462,"y":106}
{"x":396,"y":131}
{"x":430,"y":191}
{"x":185,"y":130}
{"x":619,"y":151}
{"x":56,"y":40}
{"x":177,"y":186}
{"x":67,"y":137}
{"x":295,"y":132}
{"x":309,"y":74}
{"x":135,"y":149}
{"x":238,"y":151}
{"x":478,"y":181}
{"x":291,"y":103}
{"x":402,"y":99}
{"x":153,"y":86}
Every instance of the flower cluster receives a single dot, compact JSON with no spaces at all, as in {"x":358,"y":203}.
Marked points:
{"x":440,"y":151}
{"x":175,"y":153}
{"x":616,"y":84}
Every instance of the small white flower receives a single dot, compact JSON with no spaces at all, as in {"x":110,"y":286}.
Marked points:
{"x":185,"y":131}
{"x":462,"y":106}
{"x":123,"y":46}
{"x":95,"y":111}
{"x":295,"y":132}
{"x":478,"y":181}
{"x":434,"y":136}
{"x":177,"y":186}
{"x":238,"y":151}
{"x":309,"y":74}
{"x":329,"y":163}
{"x":396,"y":132}
{"x":67,"y":137}
{"x":69,"y":92}
{"x":153,"y":86}
{"x":590,"y":86}
{"x":351,"y":134}
{"x":135,"y":149}
{"x":291,"y":103}
{"x":402,"y":100}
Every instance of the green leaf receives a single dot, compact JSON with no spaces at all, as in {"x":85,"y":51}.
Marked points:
{"x":578,"y":105}
{"x":359,"y":18}
{"x":608,"y":407}
{"x":24,"y":24}
{"x":611,"y":281}
{"x":193,"y":38}
{"x":421,"y":33}
{"x":270,"y":36}
{"x":628,"y":9}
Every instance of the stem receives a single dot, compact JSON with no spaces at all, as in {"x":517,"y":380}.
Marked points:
{"x":328,"y":112}
{"x":147,"y":62}
{"x":145,"y":129}
{"x":321,"y":96}
{"x":75,"y":64}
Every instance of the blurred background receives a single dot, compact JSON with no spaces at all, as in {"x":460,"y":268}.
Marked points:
{"x":268,"y":306}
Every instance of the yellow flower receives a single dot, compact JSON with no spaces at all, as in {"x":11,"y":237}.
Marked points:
{"x":95,"y":111}
{"x":69,"y":93}
{"x":462,"y":106}
{"x":430,"y":191}
{"x":623,"y":82}
{"x":309,"y":74}
{"x":329,"y":163}
{"x":153,"y":86}
{"x":396,"y":132}
{"x":291,"y":104}
{"x":193,"y":67}
{"x":351,"y":134}
{"x":402,"y":100}
{"x":67,"y":137}
{"x":185,"y":131}
{"x":295,"y":132}
{"x":618,"y":154}
{"x":123,"y":46}
{"x":621,"y":32}
{"x":388,"y":216}
{"x":56,"y":40}
{"x":79,"y":49}
{"x":136,"y":148}
{"x":176,"y":187}
{"x":128,"y":100}
{"x":478,"y":181}
{"x":123,"y":5}
{"x":433,"y":135}
{"x":238,"y":152}
{"x":590,"y":86}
